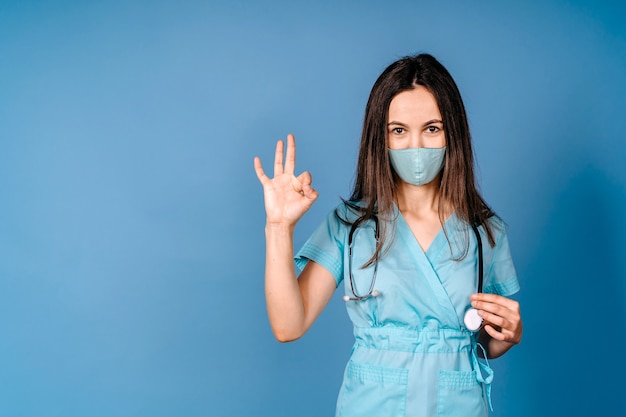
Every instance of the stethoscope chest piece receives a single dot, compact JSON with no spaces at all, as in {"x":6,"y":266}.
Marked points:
{"x":472,"y":320}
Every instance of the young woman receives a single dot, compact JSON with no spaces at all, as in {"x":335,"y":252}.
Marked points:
{"x":423,"y":258}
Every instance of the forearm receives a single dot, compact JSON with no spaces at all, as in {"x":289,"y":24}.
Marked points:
{"x":285,"y":307}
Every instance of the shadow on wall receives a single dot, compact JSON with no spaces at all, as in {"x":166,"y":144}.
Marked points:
{"x":578,"y":300}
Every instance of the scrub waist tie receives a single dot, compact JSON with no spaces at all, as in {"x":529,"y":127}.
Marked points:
{"x":484,"y":373}
{"x":409,"y":340}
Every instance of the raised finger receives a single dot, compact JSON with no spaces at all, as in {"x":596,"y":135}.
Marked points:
{"x":258,"y":168}
{"x":278,"y":158}
{"x":290,"y":159}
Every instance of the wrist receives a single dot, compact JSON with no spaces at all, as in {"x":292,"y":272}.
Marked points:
{"x":279,"y":228}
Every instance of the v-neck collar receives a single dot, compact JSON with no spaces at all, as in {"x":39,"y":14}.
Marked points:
{"x":438,"y":243}
{"x":425,"y":262}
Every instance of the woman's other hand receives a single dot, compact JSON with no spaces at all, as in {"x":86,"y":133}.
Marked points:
{"x":502,"y":321}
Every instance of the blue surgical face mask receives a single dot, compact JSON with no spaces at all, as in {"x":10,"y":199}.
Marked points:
{"x":417,"y":166}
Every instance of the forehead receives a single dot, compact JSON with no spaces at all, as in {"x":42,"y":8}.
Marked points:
{"x":418,"y":103}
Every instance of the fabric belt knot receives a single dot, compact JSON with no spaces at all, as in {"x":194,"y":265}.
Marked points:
{"x":484,"y":373}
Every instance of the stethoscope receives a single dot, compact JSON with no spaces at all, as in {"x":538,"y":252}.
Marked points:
{"x":471,"y":318}
{"x":371,"y":292}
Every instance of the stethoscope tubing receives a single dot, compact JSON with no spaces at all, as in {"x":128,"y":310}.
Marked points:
{"x":371,"y":292}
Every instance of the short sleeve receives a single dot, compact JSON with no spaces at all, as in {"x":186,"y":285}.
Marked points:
{"x":501,"y":278}
{"x":326,"y":246}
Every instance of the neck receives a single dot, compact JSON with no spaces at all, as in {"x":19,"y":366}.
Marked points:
{"x":420,"y":200}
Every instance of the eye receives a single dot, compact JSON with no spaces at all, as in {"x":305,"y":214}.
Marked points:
{"x":397,"y":130}
{"x":433,"y":129}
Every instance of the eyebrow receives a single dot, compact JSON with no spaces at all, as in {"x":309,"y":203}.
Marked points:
{"x":396,"y":123}
{"x":430,"y":122}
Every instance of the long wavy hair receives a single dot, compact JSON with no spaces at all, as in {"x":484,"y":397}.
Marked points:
{"x":374,"y":192}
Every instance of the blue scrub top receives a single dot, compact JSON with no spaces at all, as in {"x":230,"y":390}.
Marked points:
{"x":412,"y":354}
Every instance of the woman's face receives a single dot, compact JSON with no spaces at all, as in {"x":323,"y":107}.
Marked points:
{"x":415,"y":121}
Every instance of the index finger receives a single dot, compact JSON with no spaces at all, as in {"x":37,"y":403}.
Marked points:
{"x":494,"y":298}
{"x":278,"y":158}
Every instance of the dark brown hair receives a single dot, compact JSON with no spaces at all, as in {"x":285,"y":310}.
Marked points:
{"x":374,"y":189}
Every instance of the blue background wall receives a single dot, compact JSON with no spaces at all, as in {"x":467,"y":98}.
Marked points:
{"x":131,"y":221}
